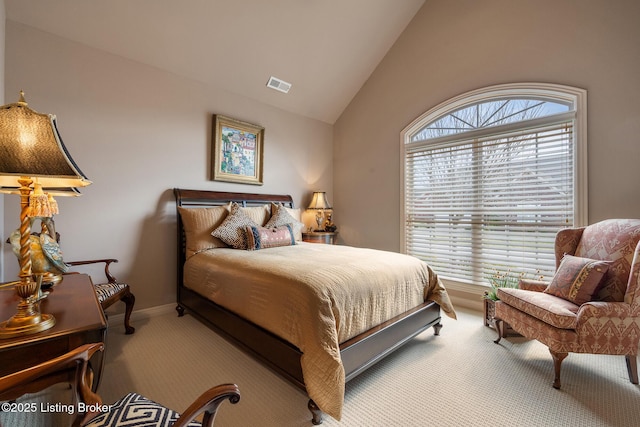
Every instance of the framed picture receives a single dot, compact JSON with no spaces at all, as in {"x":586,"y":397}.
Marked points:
{"x":237,"y":151}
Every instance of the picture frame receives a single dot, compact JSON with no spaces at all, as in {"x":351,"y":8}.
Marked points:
{"x":237,"y":152}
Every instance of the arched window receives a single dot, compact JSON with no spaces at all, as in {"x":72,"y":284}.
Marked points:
{"x":489,"y":177}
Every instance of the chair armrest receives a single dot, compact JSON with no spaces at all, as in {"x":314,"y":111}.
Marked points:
{"x":608,"y":328}
{"x":600,"y":313}
{"x":532,"y":285}
{"x":107,"y":262}
{"x":208,"y":403}
{"x":80,"y":356}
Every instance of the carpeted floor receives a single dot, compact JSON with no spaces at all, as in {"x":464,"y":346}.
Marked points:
{"x":460,"y":378}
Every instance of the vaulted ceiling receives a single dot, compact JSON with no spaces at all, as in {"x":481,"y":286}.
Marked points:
{"x":326,"y":49}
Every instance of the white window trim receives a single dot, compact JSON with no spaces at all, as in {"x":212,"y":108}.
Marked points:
{"x":573,"y":95}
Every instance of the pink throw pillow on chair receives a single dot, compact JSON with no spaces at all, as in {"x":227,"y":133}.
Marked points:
{"x":577,"y":279}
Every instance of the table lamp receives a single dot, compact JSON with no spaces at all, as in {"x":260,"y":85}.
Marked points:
{"x":33,"y":159}
{"x":320,"y":203}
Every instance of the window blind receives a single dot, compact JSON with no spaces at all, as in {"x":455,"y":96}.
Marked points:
{"x":490,"y":204}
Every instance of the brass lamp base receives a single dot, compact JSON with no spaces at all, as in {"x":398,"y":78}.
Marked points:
{"x":16,"y":326}
{"x":28,"y":319}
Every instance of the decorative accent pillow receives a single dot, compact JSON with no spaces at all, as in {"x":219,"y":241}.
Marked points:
{"x":198,"y":224}
{"x":231,"y":231}
{"x":577,"y":279}
{"x":281,"y":215}
{"x":263,"y":238}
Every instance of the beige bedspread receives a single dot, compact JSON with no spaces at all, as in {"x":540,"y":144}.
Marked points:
{"x":316,"y":296}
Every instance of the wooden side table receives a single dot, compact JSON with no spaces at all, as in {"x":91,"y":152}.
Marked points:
{"x":489,"y":314}
{"x":79,"y":320}
{"x":326,"y":237}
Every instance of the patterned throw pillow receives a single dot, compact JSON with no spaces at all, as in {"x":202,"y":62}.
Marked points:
{"x":263,"y":238}
{"x":577,"y":279}
{"x":136,"y":410}
{"x":231,"y":231}
{"x":281,"y":215}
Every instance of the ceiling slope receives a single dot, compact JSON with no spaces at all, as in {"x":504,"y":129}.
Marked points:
{"x":325,"y":48}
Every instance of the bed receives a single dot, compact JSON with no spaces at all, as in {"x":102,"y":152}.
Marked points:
{"x":305,"y":310}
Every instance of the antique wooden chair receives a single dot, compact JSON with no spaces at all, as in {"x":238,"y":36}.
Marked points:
{"x":112,"y":291}
{"x":73,"y":367}
{"x":592,"y":304}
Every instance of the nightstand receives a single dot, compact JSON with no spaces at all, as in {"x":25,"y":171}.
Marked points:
{"x":326,"y":237}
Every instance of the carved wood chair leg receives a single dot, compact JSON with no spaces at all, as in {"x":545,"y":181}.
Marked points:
{"x":315,"y":412}
{"x":499,"y":325}
{"x":632,"y":368}
{"x":557,"y":362}
{"x":129,"y":299}
{"x":436,"y":328}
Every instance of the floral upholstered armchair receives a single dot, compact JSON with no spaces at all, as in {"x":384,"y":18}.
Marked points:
{"x":592,"y":304}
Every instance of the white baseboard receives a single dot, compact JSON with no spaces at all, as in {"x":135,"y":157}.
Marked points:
{"x":145,"y":313}
{"x":465,"y":295}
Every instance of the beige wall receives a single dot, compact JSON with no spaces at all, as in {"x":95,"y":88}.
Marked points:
{"x":2,"y":37}
{"x":452,"y":47}
{"x":137,"y":132}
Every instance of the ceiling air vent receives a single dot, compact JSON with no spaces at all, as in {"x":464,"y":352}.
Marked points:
{"x":277,"y":84}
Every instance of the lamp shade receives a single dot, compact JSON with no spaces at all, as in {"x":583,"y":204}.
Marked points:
{"x":31,"y":147}
{"x":319,"y":201}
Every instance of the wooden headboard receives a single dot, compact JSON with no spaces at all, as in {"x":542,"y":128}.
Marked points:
{"x":204,"y":199}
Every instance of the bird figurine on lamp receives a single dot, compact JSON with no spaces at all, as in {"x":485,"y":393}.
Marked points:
{"x":46,"y":256}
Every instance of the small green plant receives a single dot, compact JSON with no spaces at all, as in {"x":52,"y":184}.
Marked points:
{"x":502,"y":280}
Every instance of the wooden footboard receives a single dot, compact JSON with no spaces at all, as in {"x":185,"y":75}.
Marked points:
{"x":364,"y":350}
{"x":358,"y":353}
